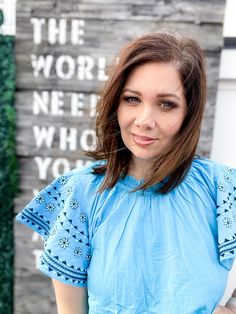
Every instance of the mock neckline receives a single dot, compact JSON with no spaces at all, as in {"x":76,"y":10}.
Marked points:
{"x":130,"y":183}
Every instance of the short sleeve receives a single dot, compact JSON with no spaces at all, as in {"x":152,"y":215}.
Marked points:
{"x":226,"y":215}
{"x":57,"y":213}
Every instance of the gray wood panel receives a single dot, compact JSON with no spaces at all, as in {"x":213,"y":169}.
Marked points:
{"x":175,"y":10}
{"x":33,"y":291}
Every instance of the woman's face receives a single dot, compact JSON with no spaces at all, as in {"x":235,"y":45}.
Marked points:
{"x":151,"y":110}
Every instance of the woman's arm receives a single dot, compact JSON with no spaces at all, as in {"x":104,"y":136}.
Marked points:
{"x":70,"y":299}
{"x":231,"y":304}
{"x":229,"y":308}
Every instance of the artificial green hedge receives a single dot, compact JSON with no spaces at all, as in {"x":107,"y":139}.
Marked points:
{"x":8,"y":175}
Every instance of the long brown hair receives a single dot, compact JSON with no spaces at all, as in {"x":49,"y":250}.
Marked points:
{"x":173,"y":163}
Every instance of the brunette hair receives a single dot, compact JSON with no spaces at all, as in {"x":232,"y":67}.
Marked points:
{"x":171,"y":166}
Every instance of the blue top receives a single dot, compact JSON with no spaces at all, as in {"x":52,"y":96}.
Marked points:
{"x":140,"y":252}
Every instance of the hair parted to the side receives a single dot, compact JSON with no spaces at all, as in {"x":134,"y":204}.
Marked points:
{"x":173,"y":163}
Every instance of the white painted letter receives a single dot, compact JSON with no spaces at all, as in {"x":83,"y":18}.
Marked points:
{"x":40,"y":102}
{"x":65,"y":62}
{"x":93,"y":104}
{"x":60,"y":163}
{"x":43,"y":164}
{"x":37,"y":29}
{"x":85,"y":65}
{"x":101,"y":69}
{"x":77,"y":32}
{"x":77,"y":102}
{"x":36,"y":237}
{"x":37,"y":253}
{"x":68,"y":136}
{"x":43,"y":134}
{"x":57,"y":101}
{"x":57,"y":32}
{"x":42,"y":63}
{"x":88,"y":140}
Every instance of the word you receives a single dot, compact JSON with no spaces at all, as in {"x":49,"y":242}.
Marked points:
{"x":49,"y":167}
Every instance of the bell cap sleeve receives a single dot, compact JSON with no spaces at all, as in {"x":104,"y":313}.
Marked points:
{"x":59,"y":216}
{"x":226,"y":214}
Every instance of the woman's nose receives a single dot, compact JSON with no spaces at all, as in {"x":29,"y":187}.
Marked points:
{"x":146,"y":118}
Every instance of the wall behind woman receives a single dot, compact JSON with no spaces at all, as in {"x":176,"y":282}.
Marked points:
{"x":62,"y":50}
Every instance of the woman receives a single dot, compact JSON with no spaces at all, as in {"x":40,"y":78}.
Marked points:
{"x":148,"y":227}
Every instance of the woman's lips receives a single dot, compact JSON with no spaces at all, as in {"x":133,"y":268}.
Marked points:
{"x":143,"y":140}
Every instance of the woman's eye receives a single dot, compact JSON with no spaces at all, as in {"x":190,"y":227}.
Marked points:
{"x":131,"y":99}
{"x":167,"y":105}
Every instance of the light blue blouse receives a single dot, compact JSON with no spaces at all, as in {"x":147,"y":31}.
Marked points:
{"x":140,"y":252}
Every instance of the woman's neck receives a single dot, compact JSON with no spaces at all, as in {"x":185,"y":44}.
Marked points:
{"x":139,"y":169}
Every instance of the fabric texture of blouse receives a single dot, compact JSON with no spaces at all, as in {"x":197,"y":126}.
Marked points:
{"x":140,"y":252}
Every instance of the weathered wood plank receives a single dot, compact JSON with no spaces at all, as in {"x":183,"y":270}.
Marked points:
{"x":32,"y":290}
{"x":187,"y":11}
{"x":112,"y":34}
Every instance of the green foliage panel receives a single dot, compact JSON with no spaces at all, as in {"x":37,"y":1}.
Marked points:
{"x":8,"y":166}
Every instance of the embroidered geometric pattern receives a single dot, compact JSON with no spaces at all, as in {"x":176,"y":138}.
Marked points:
{"x":36,"y":220}
{"x":72,"y":229}
{"x":78,"y":252}
{"x":64,"y":243}
{"x":62,"y":268}
{"x":56,"y":215}
{"x":226,"y":214}
{"x":50,"y":207}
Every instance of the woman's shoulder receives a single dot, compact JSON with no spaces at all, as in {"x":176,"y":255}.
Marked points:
{"x":215,"y":183}
{"x":70,"y":194}
{"x":208,"y":164}
{"x":82,"y":176}
{"x":86,"y":169}
{"x":214,"y":178}
{"x":210,"y":170}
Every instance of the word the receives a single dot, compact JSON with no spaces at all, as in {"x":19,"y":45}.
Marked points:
{"x":58,"y":30}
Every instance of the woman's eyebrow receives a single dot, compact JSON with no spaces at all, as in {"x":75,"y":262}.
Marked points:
{"x":158,"y":94}
{"x":131,"y":91}
{"x":168,"y":95}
